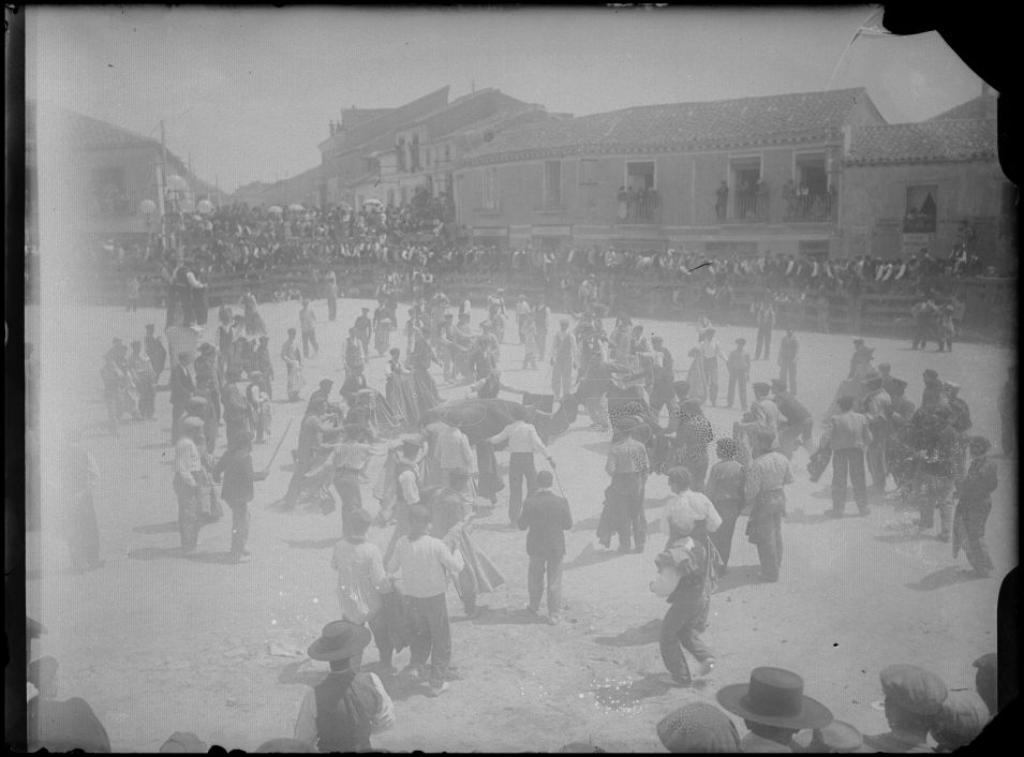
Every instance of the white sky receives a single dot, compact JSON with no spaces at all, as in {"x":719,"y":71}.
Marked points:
{"x":248,"y":92}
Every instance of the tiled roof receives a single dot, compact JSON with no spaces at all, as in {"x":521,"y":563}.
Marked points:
{"x":925,"y":142}
{"x":723,"y":122}
{"x":983,"y":106}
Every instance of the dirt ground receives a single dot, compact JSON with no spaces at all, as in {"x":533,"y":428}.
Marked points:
{"x":158,"y":643}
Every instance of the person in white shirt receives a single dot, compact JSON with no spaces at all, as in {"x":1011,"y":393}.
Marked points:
{"x":361,"y":583}
{"x":187,"y":465}
{"x":424,"y":564}
{"x":710,"y":352}
{"x":449,"y":450}
{"x":523,"y":441}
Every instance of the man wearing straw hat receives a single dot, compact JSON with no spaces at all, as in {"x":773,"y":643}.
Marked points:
{"x":774,"y":708}
{"x":340,"y":712}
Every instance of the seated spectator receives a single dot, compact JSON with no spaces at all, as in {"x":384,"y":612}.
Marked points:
{"x":913,"y":699}
{"x":57,"y":725}
{"x":960,"y":721}
{"x":698,"y":727}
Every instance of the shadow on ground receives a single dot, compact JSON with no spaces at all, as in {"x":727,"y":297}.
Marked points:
{"x":947,"y":576}
{"x":633,"y":637}
{"x":155,"y":553}
{"x":312,"y":543}
{"x":619,"y":696}
{"x":591,"y":556}
{"x":170,"y":527}
{"x":739,"y":575}
{"x":902,"y":537}
{"x":807,"y":519}
{"x":504,"y":616}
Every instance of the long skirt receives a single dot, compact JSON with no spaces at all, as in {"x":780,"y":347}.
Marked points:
{"x":698,"y":383}
{"x":382,"y":339}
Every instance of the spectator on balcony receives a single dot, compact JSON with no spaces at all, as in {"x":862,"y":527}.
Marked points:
{"x":721,"y":200}
{"x":761,"y":200}
{"x":789,"y":198}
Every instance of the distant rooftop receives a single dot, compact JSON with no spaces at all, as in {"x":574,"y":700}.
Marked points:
{"x":945,"y":140}
{"x":739,"y":121}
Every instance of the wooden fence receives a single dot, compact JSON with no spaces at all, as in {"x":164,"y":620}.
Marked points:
{"x":990,"y":303}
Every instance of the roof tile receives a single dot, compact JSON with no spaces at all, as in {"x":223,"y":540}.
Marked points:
{"x":928,"y":141}
{"x":657,"y":126}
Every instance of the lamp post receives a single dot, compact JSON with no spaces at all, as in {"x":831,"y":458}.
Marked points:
{"x":147,"y":207}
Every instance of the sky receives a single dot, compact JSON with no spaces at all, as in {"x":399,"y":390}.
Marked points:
{"x":248,"y":93}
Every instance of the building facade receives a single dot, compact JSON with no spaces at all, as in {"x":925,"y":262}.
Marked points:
{"x":729,"y":177}
{"x":934,"y":185}
{"x":427,"y":149}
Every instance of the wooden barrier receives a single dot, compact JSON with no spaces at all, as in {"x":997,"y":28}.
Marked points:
{"x":990,"y":303}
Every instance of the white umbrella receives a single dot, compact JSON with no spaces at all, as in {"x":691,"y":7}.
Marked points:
{"x":204,"y":206}
{"x":275,"y":209}
{"x":296,"y":207}
{"x":373,"y":201}
{"x":147,"y":207}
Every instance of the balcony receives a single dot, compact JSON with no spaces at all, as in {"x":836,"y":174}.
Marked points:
{"x":810,"y":207}
{"x":750,"y":207}
{"x":639,"y":208}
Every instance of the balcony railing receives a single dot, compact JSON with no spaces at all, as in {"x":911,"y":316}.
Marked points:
{"x":639,"y":209}
{"x":750,"y":207}
{"x":813,"y":207}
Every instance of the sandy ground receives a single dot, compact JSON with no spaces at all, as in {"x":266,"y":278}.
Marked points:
{"x":159,"y":643}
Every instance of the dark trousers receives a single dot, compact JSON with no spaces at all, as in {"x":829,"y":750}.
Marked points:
{"x":332,"y":307}
{"x":680,"y":629}
{"x":431,"y":635}
{"x":711,"y":372}
{"x":381,"y":637}
{"x":147,"y":399}
{"x":922,"y":333}
{"x":769,"y":549}
{"x":848,"y":460}
{"x":542,"y":342}
{"x":764,"y":339}
{"x":722,"y":538}
{"x":552,"y":566}
{"x":520,"y":467}
{"x":971,"y":518}
{"x":83,"y":535}
{"x":346,"y":483}
{"x":738,"y":380}
{"x":309,"y":338}
{"x":176,"y":417}
{"x":239,"y":526}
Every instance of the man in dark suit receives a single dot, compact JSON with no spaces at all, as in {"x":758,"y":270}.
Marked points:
{"x":183,"y":387}
{"x":848,"y":436}
{"x":547,"y":517}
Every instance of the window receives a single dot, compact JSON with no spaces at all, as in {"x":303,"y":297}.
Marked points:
{"x":816,"y":249}
{"x":746,"y":181}
{"x":806,"y":197}
{"x":922,"y":211}
{"x":489,"y":194}
{"x":588,"y":171}
{"x":447,"y":153}
{"x":552,"y":183}
{"x":640,"y":194}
